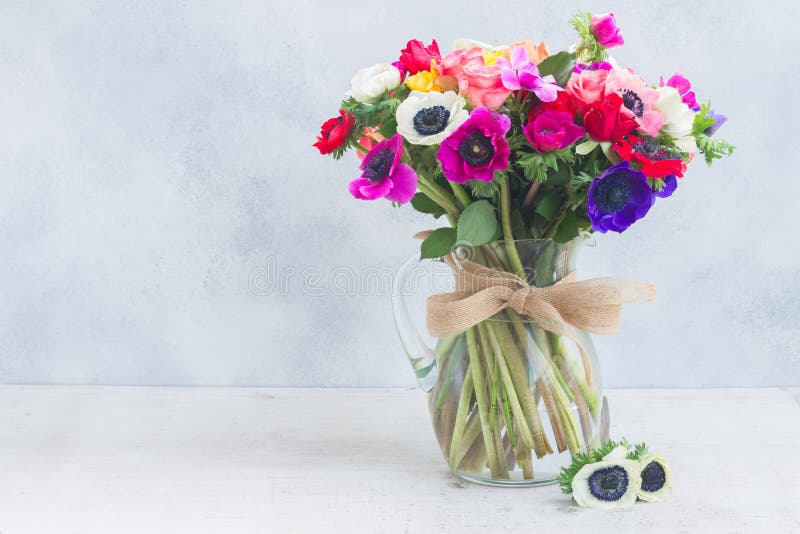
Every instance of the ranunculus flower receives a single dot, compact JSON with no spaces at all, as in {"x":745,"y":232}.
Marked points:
{"x":369,"y":138}
{"x":639,"y":99}
{"x":384,"y":175}
{"x":369,"y":84}
{"x":536,"y":52}
{"x":563,"y":102}
{"x":479,"y":83}
{"x":477,"y":148}
{"x":519,"y":72}
{"x":425,"y":80}
{"x":416,"y":56}
{"x":334,"y":132}
{"x":552,"y":130}
{"x":655,"y":162}
{"x":606,"y":121}
{"x":618,"y":198}
{"x":427,"y":118}
{"x":678,"y":119}
{"x":604,"y":29}
{"x":684,"y":87}
{"x":587,"y":88}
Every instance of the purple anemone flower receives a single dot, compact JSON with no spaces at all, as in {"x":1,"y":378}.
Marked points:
{"x":618,"y":198}
{"x":719,"y":120}
{"x":384,"y":175}
{"x":670,"y":185}
{"x":597,"y":65}
{"x":477,"y":148}
{"x":521,"y":73}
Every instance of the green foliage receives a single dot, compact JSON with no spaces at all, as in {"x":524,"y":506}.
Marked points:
{"x":518,"y":227}
{"x":568,"y":228}
{"x":701,"y":119}
{"x":438,"y":244}
{"x":712,"y":148}
{"x":423,"y":203}
{"x":477,"y":224}
{"x":656,"y":184}
{"x":591,"y":456}
{"x":559,"y":65}
{"x":639,"y":450}
{"x":547,"y":205}
{"x":588,"y":50}
{"x":491,"y":189}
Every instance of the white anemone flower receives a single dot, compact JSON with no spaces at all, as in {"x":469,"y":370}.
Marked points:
{"x":656,"y":478}
{"x":463,"y":43}
{"x":609,"y":484}
{"x":678,"y":118}
{"x":370,"y":83}
{"x":428,"y":118}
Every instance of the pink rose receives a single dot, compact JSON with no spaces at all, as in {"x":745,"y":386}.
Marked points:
{"x":605,"y":30}
{"x":587,"y":88}
{"x":552,"y":130}
{"x":479,"y":83}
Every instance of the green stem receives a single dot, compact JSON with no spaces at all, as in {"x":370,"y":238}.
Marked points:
{"x":461,"y":417}
{"x":483,"y":403}
{"x":460,"y":193}
{"x":505,"y":217}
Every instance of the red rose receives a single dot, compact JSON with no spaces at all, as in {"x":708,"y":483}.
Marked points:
{"x":563,"y":103}
{"x":605,"y":122}
{"x":655,"y":161}
{"x":416,"y":56}
{"x":334,"y":132}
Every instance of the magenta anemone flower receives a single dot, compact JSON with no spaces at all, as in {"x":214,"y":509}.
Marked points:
{"x":521,"y":73}
{"x":552,"y":130}
{"x":477,"y":148}
{"x":384,"y":175}
{"x":684,"y":87}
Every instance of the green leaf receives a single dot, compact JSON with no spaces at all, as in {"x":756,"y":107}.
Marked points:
{"x":559,"y":177}
{"x":423,"y":203}
{"x":518,"y":228}
{"x":559,"y":65}
{"x":388,"y":129}
{"x":477,"y":224}
{"x":438,"y":244}
{"x":548,"y":204}
{"x":567,"y":229}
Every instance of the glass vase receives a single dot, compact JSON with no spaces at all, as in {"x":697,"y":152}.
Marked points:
{"x":510,"y":402}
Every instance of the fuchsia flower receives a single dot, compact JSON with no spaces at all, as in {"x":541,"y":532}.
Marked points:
{"x":639,"y":99}
{"x":604,"y":29}
{"x":597,"y":65}
{"x":684,"y":87}
{"x":552,"y":130}
{"x":477,"y":148}
{"x":416,"y":57}
{"x":519,"y":72}
{"x":384,"y":175}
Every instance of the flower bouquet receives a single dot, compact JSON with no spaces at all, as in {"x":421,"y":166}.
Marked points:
{"x":524,"y":153}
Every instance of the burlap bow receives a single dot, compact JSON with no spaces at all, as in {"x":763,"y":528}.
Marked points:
{"x":592,"y":305}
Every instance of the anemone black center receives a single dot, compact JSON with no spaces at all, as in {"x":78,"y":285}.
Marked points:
{"x":612,"y":194}
{"x":651,"y":149}
{"x":653,"y":477}
{"x":430,"y":121}
{"x":633,"y":102}
{"x":609,"y":484}
{"x":379,"y":165}
{"x":476,"y":149}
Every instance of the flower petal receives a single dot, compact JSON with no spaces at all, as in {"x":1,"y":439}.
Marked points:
{"x":404,"y":186}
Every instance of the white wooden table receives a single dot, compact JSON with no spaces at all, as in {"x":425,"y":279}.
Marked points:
{"x":173,"y":460}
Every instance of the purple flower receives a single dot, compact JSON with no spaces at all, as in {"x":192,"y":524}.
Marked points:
{"x":605,"y":31}
{"x":384,"y":175}
{"x":521,"y":73}
{"x":477,"y":148}
{"x":719,"y":120}
{"x":597,"y":65}
{"x":618,"y":198}
{"x":670,"y":185}
{"x":684,"y":87}
{"x":552,"y":130}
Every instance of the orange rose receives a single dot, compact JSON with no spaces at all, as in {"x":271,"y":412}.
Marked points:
{"x":536,"y":52}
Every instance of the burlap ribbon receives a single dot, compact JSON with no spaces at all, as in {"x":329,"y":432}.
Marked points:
{"x":592,"y":305}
